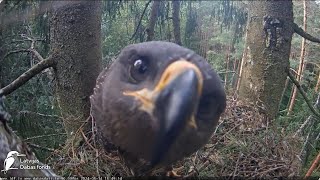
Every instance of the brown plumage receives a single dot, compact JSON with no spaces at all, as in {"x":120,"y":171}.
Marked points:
{"x":158,"y":102}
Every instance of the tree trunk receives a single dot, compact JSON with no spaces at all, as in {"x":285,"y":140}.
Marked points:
{"x":2,"y":52}
{"x":318,"y":84}
{"x":227,"y":68}
{"x":301,"y":64}
{"x":168,"y":24}
{"x":268,"y":44}
{"x":2,"y":49}
{"x":176,"y":21}
{"x":153,"y":20}
{"x":76,"y":43}
{"x":284,"y":89}
{"x":242,"y":60}
{"x":234,"y":74}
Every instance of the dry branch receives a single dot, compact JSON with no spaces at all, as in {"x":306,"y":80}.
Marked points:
{"x":36,"y":69}
{"x":196,"y":171}
{"x":302,"y":60}
{"x":40,"y":147}
{"x":17,"y":51}
{"x":24,"y":40}
{"x":304,"y":34}
{"x":31,"y":49}
{"x":316,"y":106}
{"x":41,"y":136}
{"x":23,"y":78}
{"x":38,"y":114}
{"x":304,"y":95}
{"x":139,"y":23}
{"x":313,"y":166}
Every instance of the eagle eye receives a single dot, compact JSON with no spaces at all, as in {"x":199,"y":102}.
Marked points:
{"x":139,"y":70}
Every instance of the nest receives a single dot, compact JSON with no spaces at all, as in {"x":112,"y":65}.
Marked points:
{"x":244,"y":144}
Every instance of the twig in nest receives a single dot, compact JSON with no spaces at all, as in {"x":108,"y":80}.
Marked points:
{"x":194,"y":171}
{"x":237,"y":164}
{"x":225,"y":134}
{"x":93,"y":129}
{"x":75,"y":135}
{"x":86,"y":140}
{"x":215,"y":131}
{"x":263,"y":174}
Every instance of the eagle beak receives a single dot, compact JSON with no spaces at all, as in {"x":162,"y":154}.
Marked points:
{"x":173,"y":102}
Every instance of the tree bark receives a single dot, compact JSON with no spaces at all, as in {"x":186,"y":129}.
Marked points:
{"x":268,"y":46}
{"x":227,"y":68}
{"x":2,"y":47}
{"x":176,"y":21}
{"x":301,"y":64}
{"x":76,"y":39}
{"x":242,"y":60}
{"x":168,"y":32}
{"x":153,"y":20}
{"x":318,"y":84}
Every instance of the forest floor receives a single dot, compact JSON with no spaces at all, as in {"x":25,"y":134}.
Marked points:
{"x":244,"y":144}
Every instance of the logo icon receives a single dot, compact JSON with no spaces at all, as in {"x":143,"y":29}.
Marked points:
{"x":9,"y":161}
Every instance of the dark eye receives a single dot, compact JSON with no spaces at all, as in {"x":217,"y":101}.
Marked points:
{"x":139,"y":70}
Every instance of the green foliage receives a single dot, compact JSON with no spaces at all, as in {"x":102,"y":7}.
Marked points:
{"x":216,"y":60}
{"x":190,"y":25}
{"x":31,"y":106}
{"x":301,"y":111}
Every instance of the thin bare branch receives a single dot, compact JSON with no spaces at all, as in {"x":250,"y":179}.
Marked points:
{"x":33,"y":41}
{"x":304,"y":95}
{"x":36,"y":53}
{"x":301,"y":61}
{"x":316,"y":106}
{"x":139,"y":23}
{"x":24,"y":40}
{"x":313,"y":166}
{"x":26,"y":76}
{"x":40,"y":147}
{"x":304,"y":34}
{"x":39,"y":114}
{"x":16,"y":51}
{"x":195,"y":171}
{"x":226,"y":72}
{"x":46,"y":135}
